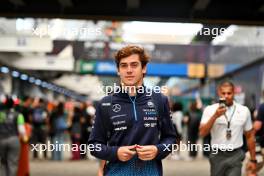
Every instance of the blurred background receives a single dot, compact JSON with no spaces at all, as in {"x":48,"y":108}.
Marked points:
{"x":56,"y":57}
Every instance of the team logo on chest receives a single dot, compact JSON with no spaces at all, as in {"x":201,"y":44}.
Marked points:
{"x":150,"y":104}
{"x":116,"y":107}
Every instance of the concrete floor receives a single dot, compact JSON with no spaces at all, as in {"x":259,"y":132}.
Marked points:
{"x":89,"y":168}
{"x":199,"y":167}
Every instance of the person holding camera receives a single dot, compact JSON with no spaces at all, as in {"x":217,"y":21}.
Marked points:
{"x":227,"y":121}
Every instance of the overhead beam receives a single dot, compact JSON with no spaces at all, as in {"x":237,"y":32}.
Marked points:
{"x":133,"y":4}
{"x":201,"y":4}
{"x":66,"y":3}
{"x":18,"y":2}
{"x":261,"y":9}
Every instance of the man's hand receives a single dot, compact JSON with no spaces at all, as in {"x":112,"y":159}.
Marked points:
{"x":101,"y":168}
{"x":205,"y":128}
{"x":250,"y":137}
{"x":125,"y":153}
{"x":251,"y":166}
{"x":220,"y":111}
{"x":147,"y":152}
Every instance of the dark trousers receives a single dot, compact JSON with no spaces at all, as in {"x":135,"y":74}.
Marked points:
{"x":39,"y":137}
{"x":9,"y":155}
{"x":226,"y":163}
{"x":193,"y":138}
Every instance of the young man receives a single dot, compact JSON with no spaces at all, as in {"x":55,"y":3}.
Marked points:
{"x":133,"y":136}
{"x":226,"y":123}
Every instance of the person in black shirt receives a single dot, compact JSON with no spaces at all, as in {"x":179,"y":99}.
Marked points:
{"x":26,"y":109}
{"x":40,"y":125}
{"x":259,"y":125}
{"x":259,"y":133}
{"x":259,"y":130}
{"x":132,"y":128}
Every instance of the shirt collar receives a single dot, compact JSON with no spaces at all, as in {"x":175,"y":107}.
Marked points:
{"x":231,"y":107}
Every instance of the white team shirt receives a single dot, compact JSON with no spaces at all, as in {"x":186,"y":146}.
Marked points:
{"x":240,"y":122}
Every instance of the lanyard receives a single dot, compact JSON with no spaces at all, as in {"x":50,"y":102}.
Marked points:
{"x":229,"y":121}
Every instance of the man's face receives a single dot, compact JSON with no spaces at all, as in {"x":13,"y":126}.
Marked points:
{"x":131,"y":71}
{"x":226,"y":92}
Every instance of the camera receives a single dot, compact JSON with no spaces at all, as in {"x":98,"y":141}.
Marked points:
{"x":222,"y":102}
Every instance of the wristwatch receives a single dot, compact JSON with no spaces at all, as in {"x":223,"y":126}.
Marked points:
{"x":253,"y":161}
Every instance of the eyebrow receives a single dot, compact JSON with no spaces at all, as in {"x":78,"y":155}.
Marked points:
{"x":122,"y":63}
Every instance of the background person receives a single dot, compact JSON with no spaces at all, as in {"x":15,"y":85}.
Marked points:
{"x":227,"y":122}
{"x":58,"y":127}
{"x":177,"y":119}
{"x":259,"y":132}
{"x":194,"y":117}
{"x":11,"y":126}
{"x":40,"y":125}
{"x":25,"y":109}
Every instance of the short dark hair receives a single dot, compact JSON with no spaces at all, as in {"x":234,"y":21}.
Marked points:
{"x":25,"y":98}
{"x":177,"y":106}
{"x":41,"y":100}
{"x":9,"y":102}
{"x":227,"y":83}
{"x":130,"y":50}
